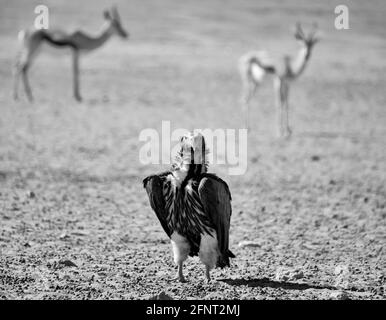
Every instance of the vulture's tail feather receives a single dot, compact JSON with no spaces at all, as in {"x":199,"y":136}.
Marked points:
{"x":223,"y":260}
{"x":231,"y":254}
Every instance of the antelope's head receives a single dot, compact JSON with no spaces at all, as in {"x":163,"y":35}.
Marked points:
{"x":113,"y":17}
{"x":307,"y":39}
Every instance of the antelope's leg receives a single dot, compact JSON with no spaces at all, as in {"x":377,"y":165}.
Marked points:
{"x":27,"y":86}
{"x":24,"y":61}
{"x":279,"y":104}
{"x":75,"y":65}
{"x":16,"y":78}
{"x":287,"y":129}
{"x":249,"y":90}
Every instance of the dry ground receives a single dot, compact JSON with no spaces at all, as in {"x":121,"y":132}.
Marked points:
{"x":70,"y":178}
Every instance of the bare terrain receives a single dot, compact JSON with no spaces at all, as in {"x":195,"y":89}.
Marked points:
{"x":75,"y":222}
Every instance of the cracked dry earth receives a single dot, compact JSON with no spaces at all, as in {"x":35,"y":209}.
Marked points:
{"x":308,"y":215}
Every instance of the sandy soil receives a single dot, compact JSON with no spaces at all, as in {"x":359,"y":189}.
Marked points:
{"x":75,"y":222}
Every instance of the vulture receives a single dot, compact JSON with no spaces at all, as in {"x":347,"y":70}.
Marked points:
{"x":193,"y":207}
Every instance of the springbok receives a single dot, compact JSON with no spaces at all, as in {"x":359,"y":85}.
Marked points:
{"x":78,"y":41}
{"x":254,"y":66}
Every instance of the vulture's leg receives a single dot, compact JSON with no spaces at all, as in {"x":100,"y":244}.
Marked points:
{"x":181,"y":249}
{"x":209,"y":252}
{"x":279,"y":104}
{"x":16,"y":77}
{"x":207,"y":273}
{"x":180,"y":276}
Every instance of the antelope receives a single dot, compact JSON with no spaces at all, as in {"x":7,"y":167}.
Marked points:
{"x":78,"y":41}
{"x":255,"y":66}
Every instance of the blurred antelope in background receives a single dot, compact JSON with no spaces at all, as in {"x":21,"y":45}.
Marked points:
{"x":254,"y":66}
{"x":78,"y":41}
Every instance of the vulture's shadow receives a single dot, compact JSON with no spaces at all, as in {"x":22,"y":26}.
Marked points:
{"x":267,"y":283}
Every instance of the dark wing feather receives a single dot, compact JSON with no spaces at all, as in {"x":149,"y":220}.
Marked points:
{"x":216,"y":200}
{"x":154,"y":188}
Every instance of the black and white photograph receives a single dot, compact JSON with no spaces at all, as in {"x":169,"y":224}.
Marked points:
{"x":218,"y":150}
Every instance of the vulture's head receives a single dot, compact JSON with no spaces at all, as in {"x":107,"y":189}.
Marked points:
{"x":193,"y":152}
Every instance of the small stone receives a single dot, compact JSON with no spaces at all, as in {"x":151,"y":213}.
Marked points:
{"x":315,"y":158}
{"x":343,"y":277}
{"x":247,"y":243}
{"x":31,"y":194}
{"x":297,"y":274}
{"x":281,"y":277}
{"x":339,"y":295}
{"x":341,"y":269}
{"x":67,"y":263}
{"x":66,"y":277}
{"x":283,"y":274}
{"x":63,"y":236}
{"x":161,"y":296}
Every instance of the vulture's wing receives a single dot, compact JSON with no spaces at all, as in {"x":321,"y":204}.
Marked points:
{"x":154,"y":188}
{"x":216,"y":200}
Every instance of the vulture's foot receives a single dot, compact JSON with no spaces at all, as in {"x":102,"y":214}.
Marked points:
{"x":180,"y":278}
